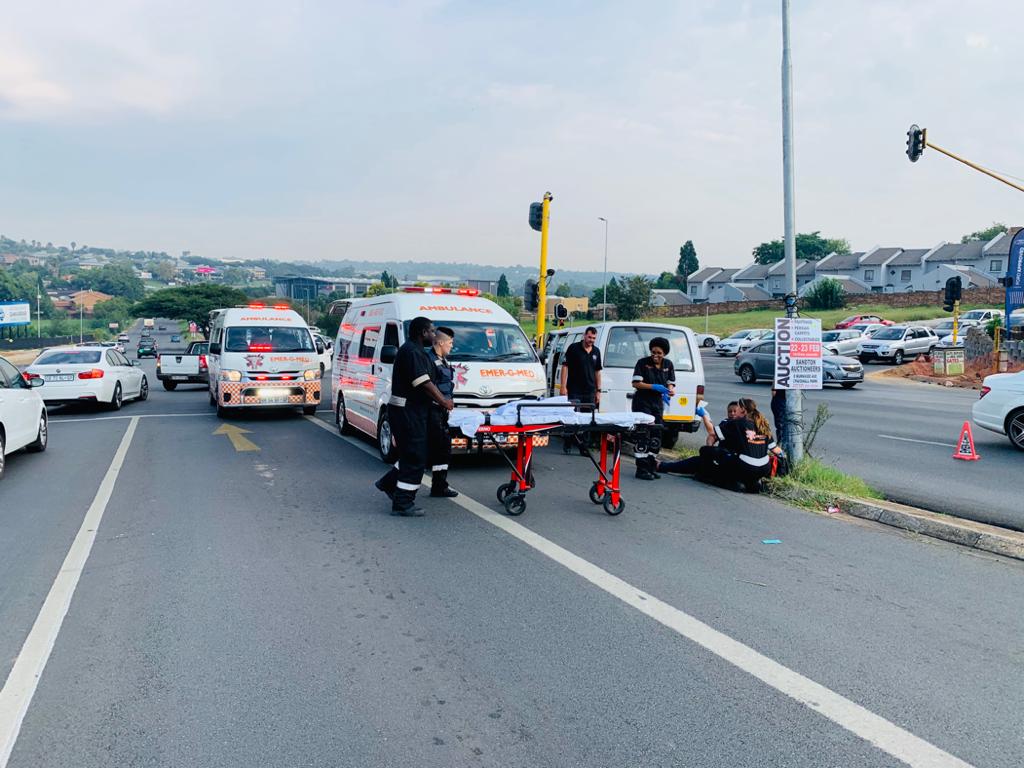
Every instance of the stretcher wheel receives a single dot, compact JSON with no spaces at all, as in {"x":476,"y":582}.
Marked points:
{"x":504,"y":491}
{"x":515,"y":504}
{"x":596,"y":496}
{"x":612,"y":509}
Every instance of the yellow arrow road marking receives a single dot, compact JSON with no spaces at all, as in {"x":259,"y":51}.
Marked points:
{"x":236,"y":436}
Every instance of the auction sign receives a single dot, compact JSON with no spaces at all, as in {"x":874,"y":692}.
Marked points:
{"x":797,"y":353}
{"x":15,"y":313}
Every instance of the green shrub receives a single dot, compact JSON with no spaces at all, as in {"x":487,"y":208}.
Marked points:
{"x":827,"y":294}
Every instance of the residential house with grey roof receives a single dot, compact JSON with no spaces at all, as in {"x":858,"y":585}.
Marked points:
{"x":851,"y":285}
{"x":905,"y":270}
{"x":776,"y":281}
{"x":716,"y":285}
{"x":745,"y":292}
{"x":697,"y":283}
{"x":669,"y":297}
{"x":872,"y":267}
{"x":997,"y":254}
{"x":838,"y":264}
{"x":753,"y":274}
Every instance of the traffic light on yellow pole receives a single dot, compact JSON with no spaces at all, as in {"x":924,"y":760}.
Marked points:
{"x":540,"y":219}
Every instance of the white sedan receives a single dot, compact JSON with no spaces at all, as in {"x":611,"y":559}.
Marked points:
{"x":706,"y":339}
{"x":22,"y":414}
{"x":99,"y":375}
{"x":1000,"y":408}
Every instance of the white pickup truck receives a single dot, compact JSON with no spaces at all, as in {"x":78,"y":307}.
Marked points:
{"x":188,"y":367}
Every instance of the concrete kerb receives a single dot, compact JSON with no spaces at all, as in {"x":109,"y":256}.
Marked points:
{"x":967,"y":533}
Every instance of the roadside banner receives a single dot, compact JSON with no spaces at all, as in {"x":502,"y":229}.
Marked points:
{"x":797,"y":353}
{"x":1015,"y":271}
{"x":15,"y":313}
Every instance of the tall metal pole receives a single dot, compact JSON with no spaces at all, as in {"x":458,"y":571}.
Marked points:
{"x":604,"y":299}
{"x":81,"y":322}
{"x":542,"y":285}
{"x":794,"y":431}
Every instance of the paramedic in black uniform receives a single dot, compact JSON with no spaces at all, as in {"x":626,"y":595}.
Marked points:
{"x":439,"y":439}
{"x":581,"y":378}
{"x":412,"y":392}
{"x":654,"y":379}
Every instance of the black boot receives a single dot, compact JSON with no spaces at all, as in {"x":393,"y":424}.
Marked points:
{"x":439,"y":485}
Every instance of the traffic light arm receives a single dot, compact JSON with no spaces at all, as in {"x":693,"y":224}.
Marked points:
{"x":968,"y":163}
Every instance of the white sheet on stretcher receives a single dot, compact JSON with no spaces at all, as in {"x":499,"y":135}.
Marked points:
{"x":470,"y":420}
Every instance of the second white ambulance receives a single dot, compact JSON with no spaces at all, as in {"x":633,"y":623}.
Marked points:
{"x":263,"y":357}
{"x":494,"y":361}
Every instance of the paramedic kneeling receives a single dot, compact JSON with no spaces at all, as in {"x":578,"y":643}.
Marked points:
{"x":654,"y":382}
{"x":412,"y":391}
{"x":439,"y":439}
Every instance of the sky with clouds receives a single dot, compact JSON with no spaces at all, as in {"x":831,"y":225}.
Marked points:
{"x":423,"y":129}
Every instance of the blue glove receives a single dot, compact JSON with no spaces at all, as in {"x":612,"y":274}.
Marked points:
{"x":699,"y":410}
{"x":661,"y":389}
{"x":665,"y":398}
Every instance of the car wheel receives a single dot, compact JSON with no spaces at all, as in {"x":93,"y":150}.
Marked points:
{"x":709,"y":342}
{"x":322,"y":370}
{"x":848,"y":384}
{"x":42,"y":436}
{"x":1015,"y":428}
{"x":385,"y":440}
{"x":170,"y":386}
{"x":117,"y":400}
{"x":832,"y":351}
{"x":144,"y":390}
{"x":898,"y":357}
{"x":340,"y":418}
{"x":747,"y":375}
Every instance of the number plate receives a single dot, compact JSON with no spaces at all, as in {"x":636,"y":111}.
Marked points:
{"x":179,"y":378}
{"x":273,"y":400}
{"x":59,"y":377}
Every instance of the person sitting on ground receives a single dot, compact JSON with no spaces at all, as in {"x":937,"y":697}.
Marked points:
{"x":723,"y":441}
{"x":754,"y":463}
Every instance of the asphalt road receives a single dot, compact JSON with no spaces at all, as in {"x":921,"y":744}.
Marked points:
{"x":899,"y":436}
{"x":243,"y":608}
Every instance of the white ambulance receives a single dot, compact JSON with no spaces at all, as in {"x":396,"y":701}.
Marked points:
{"x":494,"y":361}
{"x":621,"y":345}
{"x":262,"y":357}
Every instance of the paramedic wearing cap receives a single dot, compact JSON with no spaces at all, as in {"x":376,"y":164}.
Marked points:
{"x":439,"y":439}
{"x":654,"y":379}
{"x":412,"y":392}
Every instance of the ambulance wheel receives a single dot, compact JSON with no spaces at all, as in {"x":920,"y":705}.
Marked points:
{"x":613,"y":509}
{"x":213,"y":400}
{"x":516,"y":504}
{"x":308,"y":410}
{"x":385,"y":441}
{"x":504,"y":491}
{"x":595,"y":497}
{"x":340,"y":418}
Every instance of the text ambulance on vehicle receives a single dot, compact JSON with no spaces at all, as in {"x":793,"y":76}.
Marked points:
{"x":494,"y":361}
{"x":262,"y":357}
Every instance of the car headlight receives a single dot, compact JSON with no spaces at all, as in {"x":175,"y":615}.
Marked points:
{"x":230,"y":375}
{"x":311,"y":375}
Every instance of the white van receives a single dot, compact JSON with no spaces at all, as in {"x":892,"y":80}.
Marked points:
{"x":262,"y":357}
{"x":494,"y":361}
{"x":621,"y":345}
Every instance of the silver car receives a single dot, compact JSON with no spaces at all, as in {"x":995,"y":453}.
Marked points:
{"x":844,"y":342}
{"x":897,"y":343}
{"x":759,"y":363}
{"x":732,"y":345}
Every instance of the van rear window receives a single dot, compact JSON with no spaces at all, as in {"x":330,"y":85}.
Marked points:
{"x":627,"y":344}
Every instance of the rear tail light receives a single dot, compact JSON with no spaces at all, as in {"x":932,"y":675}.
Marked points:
{"x":95,"y":373}
{"x":29,"y":376}
{"x":202,"y":361}
{"x":700,"y":391}
{"x":984,"y":391}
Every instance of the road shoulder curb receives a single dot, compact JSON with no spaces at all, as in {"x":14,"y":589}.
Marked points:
{"x":967,"y":533}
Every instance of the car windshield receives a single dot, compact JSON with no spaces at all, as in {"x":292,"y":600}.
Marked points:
{"x":741,"y":334}
{"x":69,"y":357}
{"x":267,"y":338}
{"x":888,"y":334}
{"x":851,"y":319}
{"x":494,"y":343}
{"x":974,"y":314}
{"x":628,"y":344}
{"x":830,"y":336}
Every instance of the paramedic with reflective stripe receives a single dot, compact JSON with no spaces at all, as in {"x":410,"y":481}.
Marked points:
{"x":654,"y":382}
{"x":439,"y":438}
{"x":412,"y":391}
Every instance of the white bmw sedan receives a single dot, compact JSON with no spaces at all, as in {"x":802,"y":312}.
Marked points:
{"x":1000,"y":407}
{"x":100,"y":375}
{"x":22,"y":415}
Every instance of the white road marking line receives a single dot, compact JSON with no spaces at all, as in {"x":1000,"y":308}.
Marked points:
{"x":17,"y":693}
{"x":139,"y":416}
{"x":876,"y":730}
{"x":912,"y":440}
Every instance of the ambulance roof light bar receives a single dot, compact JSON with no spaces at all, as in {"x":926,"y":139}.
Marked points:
{"x":435,"y":289}
{"x":261,"y":305}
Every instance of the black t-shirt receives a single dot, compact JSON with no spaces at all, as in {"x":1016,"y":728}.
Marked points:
{"x":444,"y":374}
{"x":732,"y":434}
{"x":412,"y":369}
{"x":583,"y":367}
{"x":647,"y":400}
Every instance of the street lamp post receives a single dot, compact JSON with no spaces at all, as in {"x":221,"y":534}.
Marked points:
{"x":604,"y":299}
{"x":81,"y":322}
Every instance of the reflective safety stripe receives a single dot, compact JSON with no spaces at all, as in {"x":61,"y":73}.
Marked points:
{"x":718,"y":432}
{"x":420,"y":380}
{"x":638,"y":378}
{"x":398,"y":402}
{"x":438,"y":467}
{"x":396,"y":465}
{"x":407,"y":486}
{"x":752,"y":461}
{"x":642,"y":455}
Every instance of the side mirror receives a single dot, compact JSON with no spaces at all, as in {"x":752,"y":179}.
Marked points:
{"x":36,"y":382}
{"x":388,"y":354}
{"x":319,"y":347}
{"x":214,"y":348}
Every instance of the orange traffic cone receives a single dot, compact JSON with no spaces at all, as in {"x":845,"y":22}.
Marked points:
{"x":965,"y":445}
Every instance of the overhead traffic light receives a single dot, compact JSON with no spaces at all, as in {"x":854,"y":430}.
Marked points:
{"x":954,"y":289}
{"x":536,"y":216}
{"x":531,"y":296}
{"x":916,"y":138}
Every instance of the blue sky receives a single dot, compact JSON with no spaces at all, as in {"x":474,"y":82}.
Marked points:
{"x":422,"y":130}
